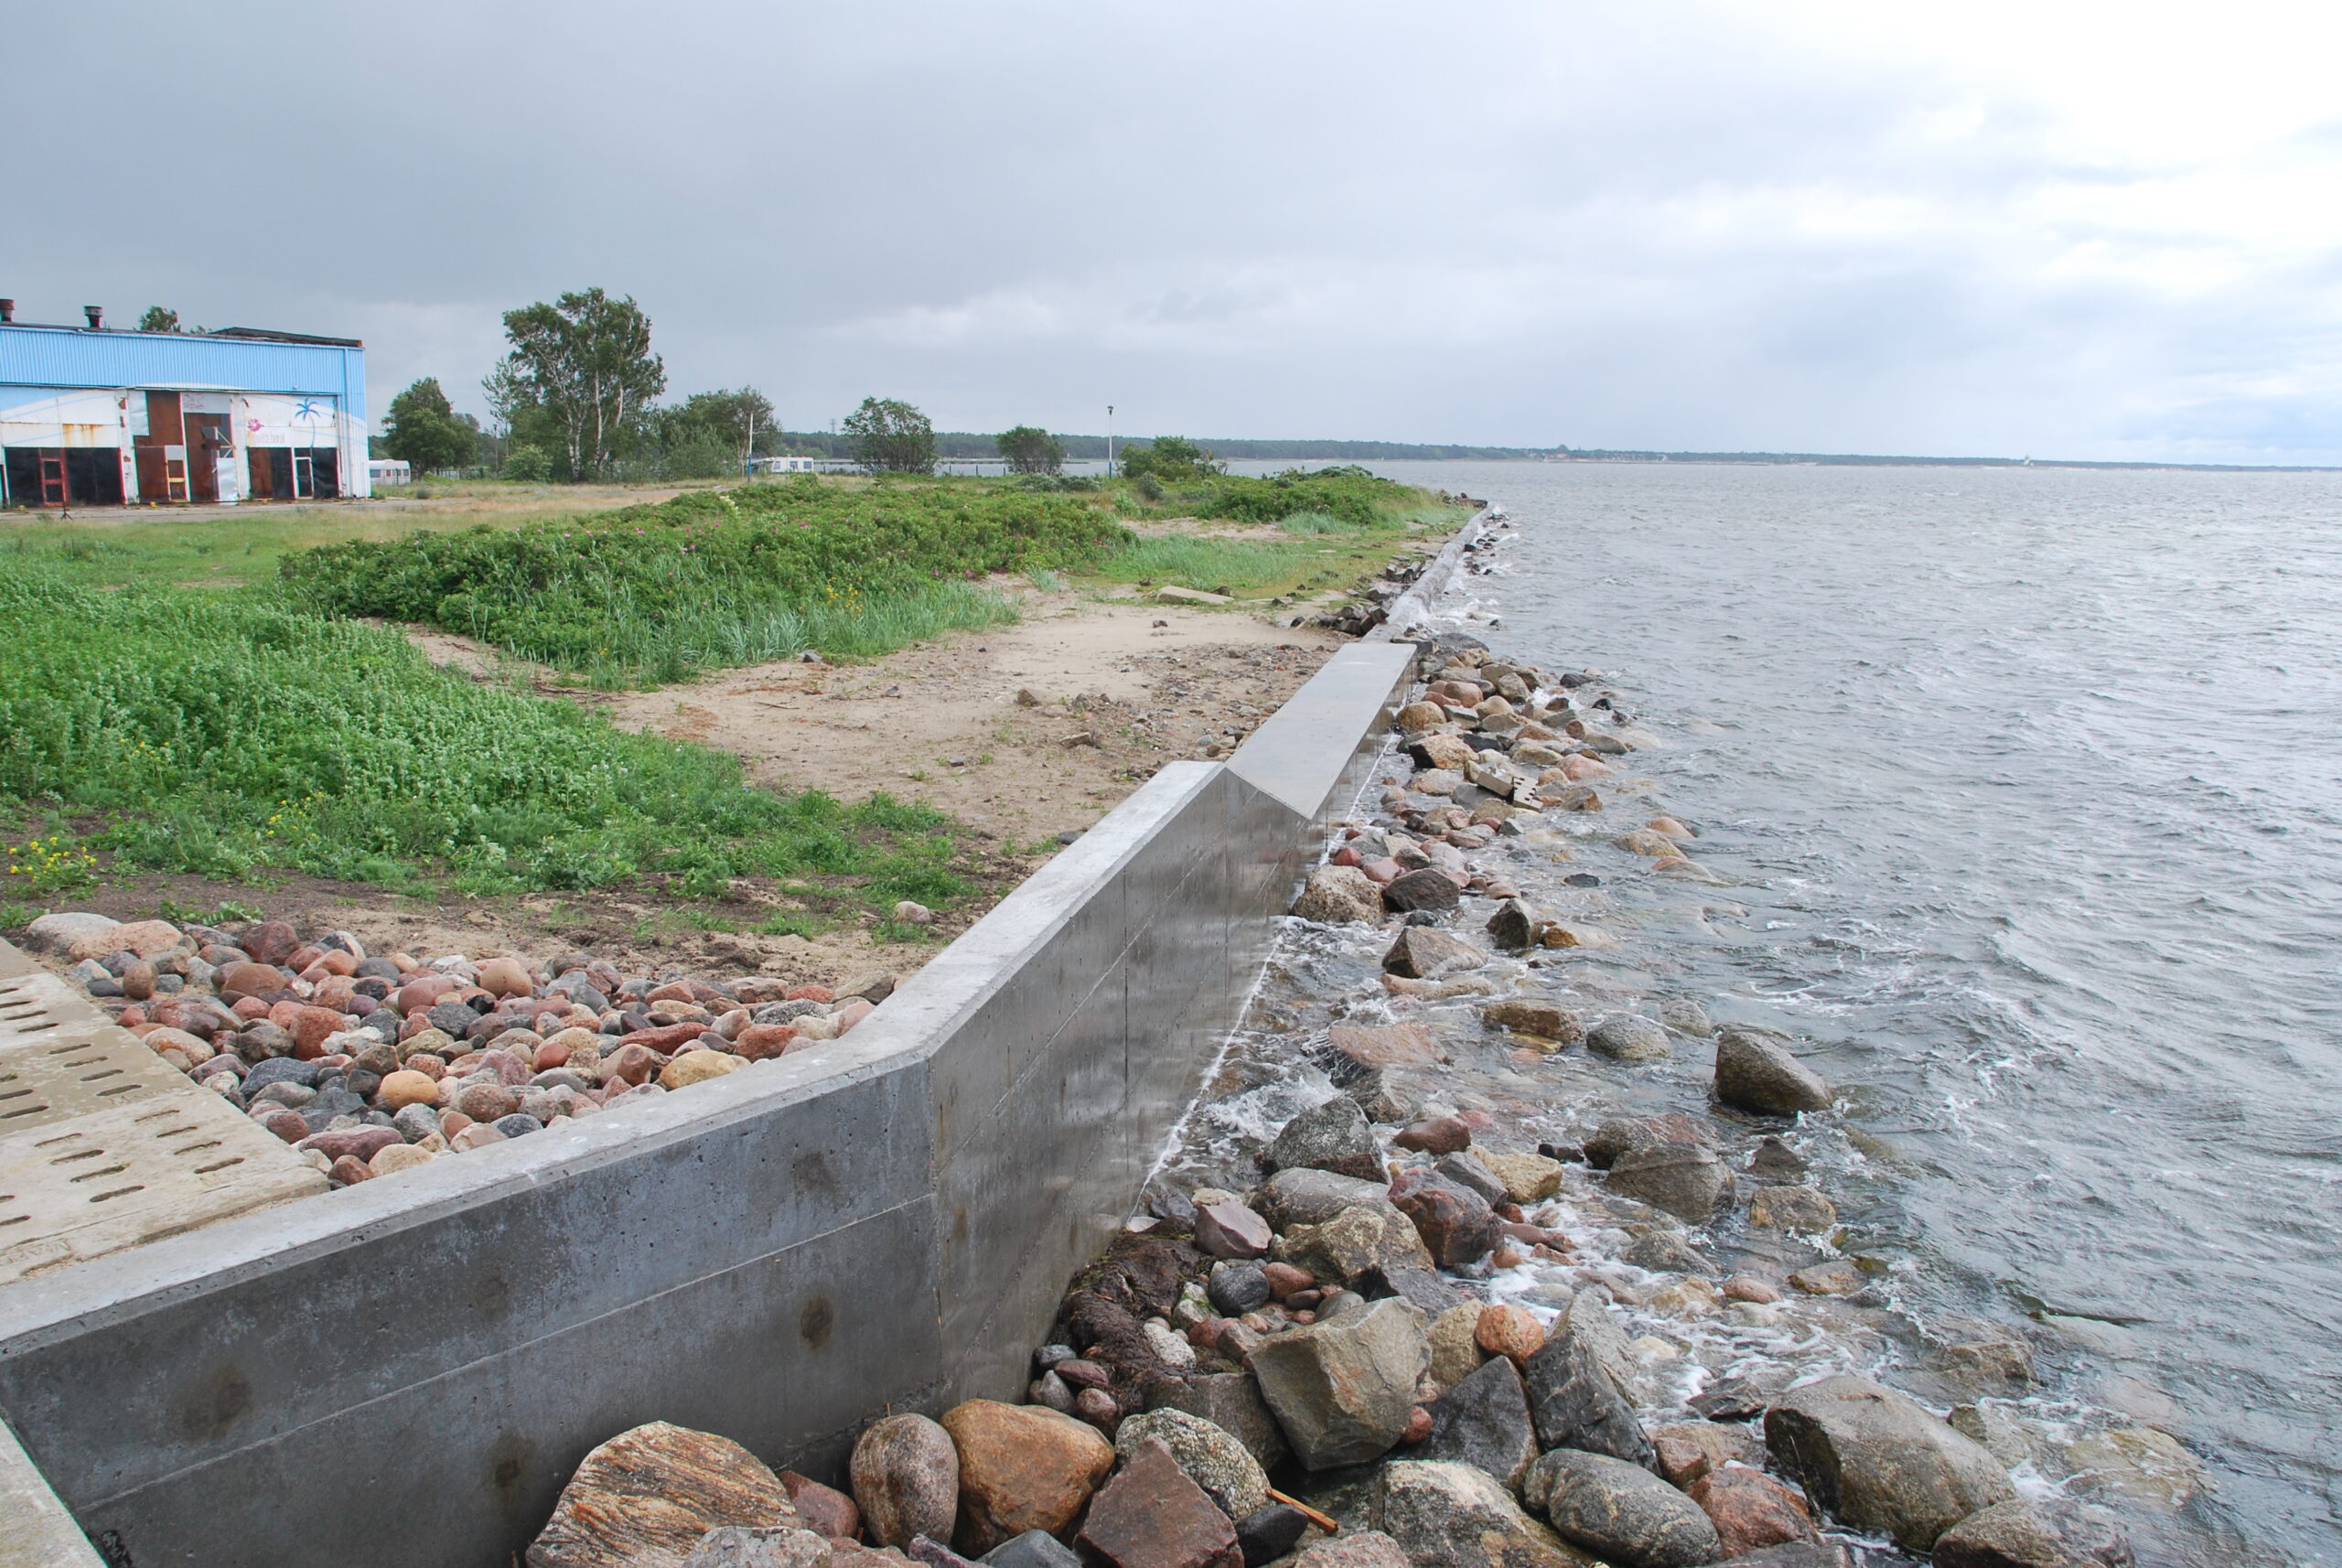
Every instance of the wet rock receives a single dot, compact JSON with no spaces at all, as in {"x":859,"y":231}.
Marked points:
{"x":1875,"y":1459}
{"x":1238,"y":1286}
{"x":1443,"y":1515}
{"x":1624,"y":1134}
{"x":1391,"y":1045}
{"x":1628,"y":1038}
{"x":1308,"y":1197}
{"x":906,"y":1478}
{"x":2135,"y":1463}
{"x":1528,"y":1178}
{"x":1689,"y":1450}
{"x":1750,"y":1509}
{"x":1455,"y":1223}
{"x":1021,"y":1467}
{"x":1429,"y":888}
{"x":1342,"y":1391}
{"x":644,"y":1498}
{"x":1666,"y":1252}
{"x":1836,"y":1277}
{"x":1229,"y":1230}
{"x":1212,"y":1458}
{"x":1685,"y":1179}
{"x":1774,"y":1164}
{"x":1686,"y":1016}
{"x":1340,"y":894}
{"x":1365,"y":1549}
{"x":1731,"y":1398}
{"x":2047,"y":1534}
{"x":1576,"y":1404}
{"x":1034,"y":1549}
{"x":1232,"y":1402}
{"x":1354,"y":1244}
{"x":1796,"y":1554}
{"x":1467,"y":1171}
{"x":1754,"y":1071}
{"x":1422,"y":953}
{"x":1271,"y":1533}
{"x":1333,"y":1136}
{"x":1620,"y":1511}
{"x":1483,"y":1421}
{"x":1435,"y":1135}
{"x":1793,"y":1208}
{"x":1152,"y":1515}
{"x":1542,"y":1020}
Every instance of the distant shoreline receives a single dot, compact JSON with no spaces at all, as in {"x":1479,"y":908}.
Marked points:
{"x":968,"y":446}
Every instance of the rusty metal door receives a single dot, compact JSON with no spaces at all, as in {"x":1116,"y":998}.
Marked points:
{"x":52,"y":479}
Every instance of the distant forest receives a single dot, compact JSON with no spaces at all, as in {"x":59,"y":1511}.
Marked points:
{"x":964,"y":443}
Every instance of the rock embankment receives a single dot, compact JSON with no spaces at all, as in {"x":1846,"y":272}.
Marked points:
{"x":1392,"y":1332}
{"x":375,"y":1063}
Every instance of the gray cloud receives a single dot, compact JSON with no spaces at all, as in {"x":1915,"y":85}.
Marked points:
{"x":1682,"y":225}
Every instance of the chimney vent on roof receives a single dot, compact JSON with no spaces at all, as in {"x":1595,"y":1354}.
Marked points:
{"x":7,"y":310}
{"x":97,"y":315}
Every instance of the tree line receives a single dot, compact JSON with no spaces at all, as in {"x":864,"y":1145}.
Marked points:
{"x":577,"y":398}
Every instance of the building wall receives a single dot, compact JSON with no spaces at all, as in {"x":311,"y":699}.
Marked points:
{"x":69,"y":387}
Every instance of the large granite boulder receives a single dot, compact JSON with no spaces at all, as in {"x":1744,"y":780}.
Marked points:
{"x":1335,"y":1136}
{"x":1021,"y":1467}
{"x":1620,"y":1512}
{"x":1879,"y":1462}
{"x":1576,"y":1404}
{"x":1754,"y":1071}
{"x":1483,"y":1421}
{"x":2020,"y":1535}
{"x":1453,"y":1516}
{"x":644,"y":1498}
{"x":1343,"y":1390}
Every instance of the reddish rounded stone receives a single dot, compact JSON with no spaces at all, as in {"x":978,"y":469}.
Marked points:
{"x":664,"y":1038}
{"x":422,"y":993}
{"x":363,"y":1143}
{"x":811,"y":993}
{"x":349,"y":1170}
{"x":505,"y":977}
{"x":486,"y":1101}
{"x":452,"y":1122}
{"x":1418,"y":1426}
{"x":759,"y":1041}
{"x":826,"y":1511}
{"x":286,"y":1125}
{"x":302,"y":957}
{"x":1750,"y":1509}
{"x":550,"y":1055}
{"x":853,"y":1011}
{"x":310,"y":1025}
{"x":1097,"y":1407}
{"x":1285,"y":1280}
{"x":1435,"y":1135}
{"x":631,"y":1064}
{"x":250,"y":978}
{"x":1512,"y":1332}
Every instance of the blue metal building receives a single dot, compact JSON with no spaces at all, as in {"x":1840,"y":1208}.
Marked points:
{"x":94,"y":415}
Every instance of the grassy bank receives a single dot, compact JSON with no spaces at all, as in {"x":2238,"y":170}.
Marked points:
{"x":652,"y":593}
{"x":186,"y":731}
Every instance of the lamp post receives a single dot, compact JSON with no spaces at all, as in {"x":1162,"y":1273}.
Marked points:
{"x":1109,"y":440}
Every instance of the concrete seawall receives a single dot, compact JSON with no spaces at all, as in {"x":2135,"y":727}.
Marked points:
{"x":407,"y":1371}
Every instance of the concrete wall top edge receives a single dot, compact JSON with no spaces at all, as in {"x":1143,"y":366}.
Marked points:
{"x":1301,"y":752}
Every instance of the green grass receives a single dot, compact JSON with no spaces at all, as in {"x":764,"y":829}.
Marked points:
{"x":225,"y":734}
{"x":1245,"y":567}
{"x":652,"y":594}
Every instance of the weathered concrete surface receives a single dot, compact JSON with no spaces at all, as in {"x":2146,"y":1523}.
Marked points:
{"x":778,"y":1255}
{"x":35,"y":1530}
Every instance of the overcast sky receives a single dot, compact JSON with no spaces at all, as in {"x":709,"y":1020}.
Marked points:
{"x":2099,"y":230}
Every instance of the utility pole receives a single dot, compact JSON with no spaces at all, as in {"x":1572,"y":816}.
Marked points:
{"x":1109,"y":440}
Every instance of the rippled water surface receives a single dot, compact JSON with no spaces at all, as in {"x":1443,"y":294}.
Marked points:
{"x":2030,"y":782}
